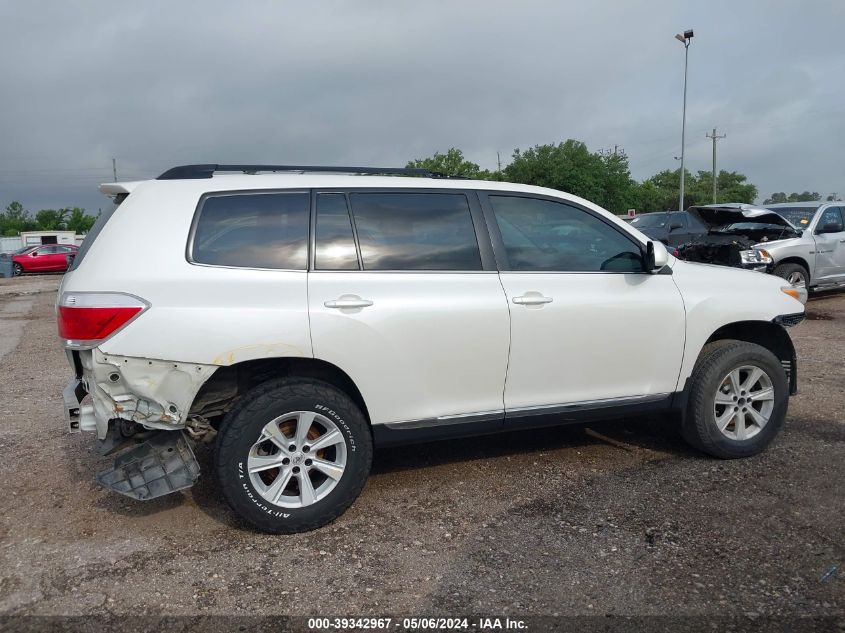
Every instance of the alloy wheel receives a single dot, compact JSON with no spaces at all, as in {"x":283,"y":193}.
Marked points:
{"x":796,"y":278}
{"x":298,"y":459}
{"x":743,"y":402}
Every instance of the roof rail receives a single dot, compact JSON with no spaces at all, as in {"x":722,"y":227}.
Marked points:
{"x":189,"y":172}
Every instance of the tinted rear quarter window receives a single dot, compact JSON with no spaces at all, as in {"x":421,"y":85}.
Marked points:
{"x":253,"y":230}
{"x":415,"y":231}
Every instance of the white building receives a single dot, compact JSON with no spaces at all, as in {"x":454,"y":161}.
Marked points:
{"x":37,"y":238}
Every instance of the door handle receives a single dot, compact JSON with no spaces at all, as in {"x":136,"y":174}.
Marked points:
{"x":532,"y":299}
{"x":347,"y":302}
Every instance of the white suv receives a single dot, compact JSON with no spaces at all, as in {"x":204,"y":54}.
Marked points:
{"x":299,"y":318}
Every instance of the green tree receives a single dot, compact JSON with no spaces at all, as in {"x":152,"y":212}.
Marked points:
{"x":15,"y":219}
{"x":452,"y":163}
{"x":663,"y":189}
{"x":731,"y":187}
{"x":568,"y":166}
{"x":776,"y":198}
{"x":806,"y":196}
{"x":647,"y":196}
{"x":51,"y":219}
{"x":79,"y":222}
{"x":602,"y":177}
{"x":618,"y":186}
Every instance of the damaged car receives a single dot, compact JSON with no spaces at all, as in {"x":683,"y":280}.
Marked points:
{"x":296,"y":317}
{"x":735,"y":237}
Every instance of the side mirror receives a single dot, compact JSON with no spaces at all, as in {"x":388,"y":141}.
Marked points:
{"x":34,"y":254}
{"x":675,"y":225}
{"x":656,"y":256}
{"x":830,"y":227}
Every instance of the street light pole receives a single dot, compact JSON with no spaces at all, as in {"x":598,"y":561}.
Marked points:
{"x":685,"y":40}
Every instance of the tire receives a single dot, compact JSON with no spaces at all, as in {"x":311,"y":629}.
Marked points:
{"x":17,"y":269}
{"x":285,"y":405}
{"x":740,"y":437}
{"x":793,"y":273}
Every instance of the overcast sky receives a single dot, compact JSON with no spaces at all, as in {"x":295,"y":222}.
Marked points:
{"x":157,"y":84}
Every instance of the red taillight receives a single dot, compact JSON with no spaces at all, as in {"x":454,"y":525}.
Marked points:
{"x":88,"y":318}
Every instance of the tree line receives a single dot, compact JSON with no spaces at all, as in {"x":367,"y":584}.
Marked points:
{"x":16,"y":219}
{"x":806,"y":196}
{"x":602,"y":177}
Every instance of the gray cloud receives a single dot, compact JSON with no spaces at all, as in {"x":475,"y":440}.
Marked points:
{"x":157,"y":84}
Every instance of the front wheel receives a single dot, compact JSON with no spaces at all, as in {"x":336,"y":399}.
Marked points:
{"x":795,"y":274}
{"x":293,"y":455}
{"x":17,"y":269}
{"x":738,"y":399}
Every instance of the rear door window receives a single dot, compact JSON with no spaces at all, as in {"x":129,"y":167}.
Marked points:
{"x":253,"y":230}
{"x":415,"y":231}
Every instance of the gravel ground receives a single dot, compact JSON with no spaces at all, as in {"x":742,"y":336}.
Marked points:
{"x":615,"y":518}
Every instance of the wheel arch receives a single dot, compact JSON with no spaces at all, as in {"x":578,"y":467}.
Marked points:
{"x":794,"y":259}
{"x":766,"y":334}
{"x":225,"y":387}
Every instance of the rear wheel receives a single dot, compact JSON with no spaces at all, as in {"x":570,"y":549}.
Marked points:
{"x":293,"y":455}
{"x":738,"y":400}
{"x":17,"y":269}
{"x":795,"y":274}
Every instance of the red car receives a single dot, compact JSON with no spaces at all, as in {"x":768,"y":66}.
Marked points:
{"x":45,"y":258}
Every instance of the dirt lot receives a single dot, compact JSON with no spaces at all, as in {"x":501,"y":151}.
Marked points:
{"x":551,"y":522}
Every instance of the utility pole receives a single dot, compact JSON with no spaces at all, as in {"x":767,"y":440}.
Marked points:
{"x":114,"y":168}
{"x":499,"y":161}
{"x":715,"y":138}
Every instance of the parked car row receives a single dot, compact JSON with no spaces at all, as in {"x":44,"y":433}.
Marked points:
{"x":803,"y":243}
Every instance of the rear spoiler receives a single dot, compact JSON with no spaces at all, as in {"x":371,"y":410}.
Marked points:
{"x":117,"y":188}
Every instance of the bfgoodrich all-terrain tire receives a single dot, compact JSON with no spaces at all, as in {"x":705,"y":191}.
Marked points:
{"x":293,"y":455}
{"x":738,"y":399}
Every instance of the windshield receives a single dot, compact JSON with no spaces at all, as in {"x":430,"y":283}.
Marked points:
{"x":650,"y":220}
{"x":24,"y":250}
{"x":797,"y":216}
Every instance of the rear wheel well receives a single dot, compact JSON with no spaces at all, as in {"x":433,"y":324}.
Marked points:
{"x":228,"y":384}
{"x":765,"y":334}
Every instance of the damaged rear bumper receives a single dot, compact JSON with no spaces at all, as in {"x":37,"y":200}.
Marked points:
{"x":155,"y":394}
{"x":163,"y":464}
{"x":118,"y":396}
